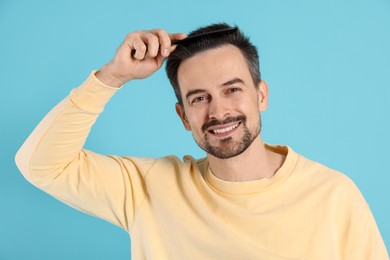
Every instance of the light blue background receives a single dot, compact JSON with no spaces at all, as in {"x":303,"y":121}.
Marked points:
{"x":327,"y":64}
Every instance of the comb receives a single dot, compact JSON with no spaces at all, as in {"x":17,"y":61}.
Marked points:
{"x":198,"y":36}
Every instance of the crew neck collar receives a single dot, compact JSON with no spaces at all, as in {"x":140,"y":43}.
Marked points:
{"x":256,"y":186}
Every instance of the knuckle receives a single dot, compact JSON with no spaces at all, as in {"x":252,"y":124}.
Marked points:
{"x":135,"y":34}
{"x":162,"y":35}
{"x":142,"y":48}
{"x":132,"y":34}
{"x":153,"y":38}
{"x":159,"y":31}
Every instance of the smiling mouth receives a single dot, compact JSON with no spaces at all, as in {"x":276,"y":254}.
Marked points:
{"x":227,"y":129}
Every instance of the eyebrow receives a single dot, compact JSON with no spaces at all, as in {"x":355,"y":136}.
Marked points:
{"x":231,"y":82}
{"x":227,"y":83}
{"x":193,"y":92}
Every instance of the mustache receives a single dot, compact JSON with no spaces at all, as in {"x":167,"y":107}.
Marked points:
{"x":216,"y":122}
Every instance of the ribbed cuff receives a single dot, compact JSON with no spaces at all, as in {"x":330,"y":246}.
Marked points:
{"x":92,"y":95}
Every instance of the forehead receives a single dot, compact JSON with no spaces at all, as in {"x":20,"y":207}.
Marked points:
{"x":213,"y":67}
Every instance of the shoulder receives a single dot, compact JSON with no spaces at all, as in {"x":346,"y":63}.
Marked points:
{"x":334,"y":185}
{"x":310,"y":172}
{"x":338,"y":197}
{"x":321,"y":173}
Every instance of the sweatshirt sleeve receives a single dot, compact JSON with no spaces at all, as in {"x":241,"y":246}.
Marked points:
{"x":360,"y":238}
{"x":53,"y":159}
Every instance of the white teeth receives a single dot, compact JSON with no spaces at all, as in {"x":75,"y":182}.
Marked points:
{"x":224,"y":130}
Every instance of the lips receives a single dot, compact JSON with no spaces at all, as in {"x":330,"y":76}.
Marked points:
{"x":224,"y":125}
{"x":224,"y":128}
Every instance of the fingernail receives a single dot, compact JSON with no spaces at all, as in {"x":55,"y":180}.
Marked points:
{"x":165,"y":52}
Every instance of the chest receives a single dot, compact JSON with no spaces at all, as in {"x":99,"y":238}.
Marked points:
{"x":193,"y":218}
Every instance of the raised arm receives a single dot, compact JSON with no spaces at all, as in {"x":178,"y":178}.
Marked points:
{"x":53,"y":158}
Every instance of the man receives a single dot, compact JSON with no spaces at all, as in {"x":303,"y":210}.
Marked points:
{"x":245,"y":200}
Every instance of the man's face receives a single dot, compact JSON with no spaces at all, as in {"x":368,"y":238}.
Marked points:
{"x":221,"y":105}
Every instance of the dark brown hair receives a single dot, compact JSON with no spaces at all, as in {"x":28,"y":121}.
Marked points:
{"x":191,"y":48}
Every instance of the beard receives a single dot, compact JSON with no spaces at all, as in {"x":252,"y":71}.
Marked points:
{"x":228,"y":147}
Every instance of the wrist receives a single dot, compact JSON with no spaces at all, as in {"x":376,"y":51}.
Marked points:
{"x":108,"y":78}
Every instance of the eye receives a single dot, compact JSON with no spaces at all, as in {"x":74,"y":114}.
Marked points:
{"x":198,"y":100}
{"x":233,"y":90}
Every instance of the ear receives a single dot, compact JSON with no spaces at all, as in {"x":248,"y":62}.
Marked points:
{"x":262,"y":89}
{"x":180,"y":112}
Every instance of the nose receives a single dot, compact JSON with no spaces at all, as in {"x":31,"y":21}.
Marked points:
{"x":218,"y":109}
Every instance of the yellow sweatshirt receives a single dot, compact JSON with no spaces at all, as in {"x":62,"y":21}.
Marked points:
{"x":177,"y":209}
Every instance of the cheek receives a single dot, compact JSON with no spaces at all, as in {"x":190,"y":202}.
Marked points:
{"x":247,"y":106}
{"x":195,"y":119}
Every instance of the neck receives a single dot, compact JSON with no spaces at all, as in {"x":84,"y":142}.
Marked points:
{"x":255,"y":163}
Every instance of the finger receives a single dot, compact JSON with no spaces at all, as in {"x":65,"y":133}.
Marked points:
{"x":139,"y":47}
{"x":152,"y":43}
{"x":160,"y":60}
{"x":164,"y":40}
{"x":177,"y":36}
